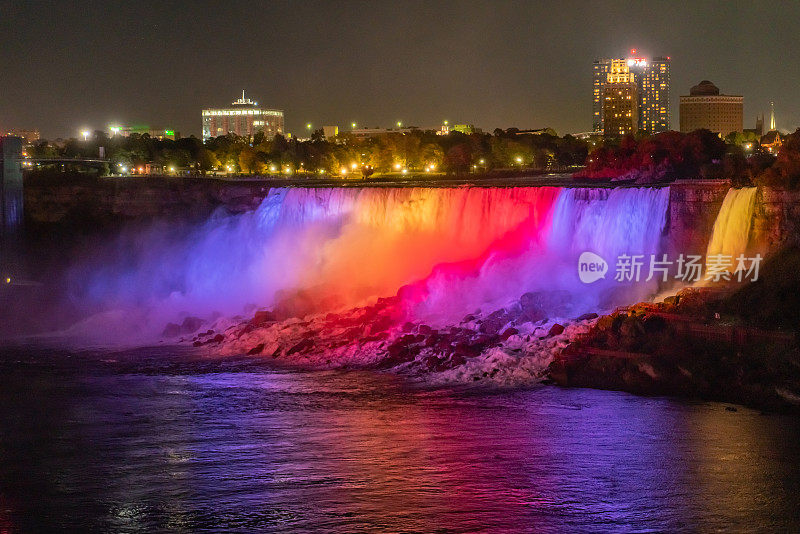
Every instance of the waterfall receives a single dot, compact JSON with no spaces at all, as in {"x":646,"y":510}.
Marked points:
{"x":341,"y":247}
{"x":731,"y":231}
{"x":344,"y":244}
{"x":607,"y":222}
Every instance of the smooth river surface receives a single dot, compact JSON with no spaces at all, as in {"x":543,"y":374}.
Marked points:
{"x":155,"y":439}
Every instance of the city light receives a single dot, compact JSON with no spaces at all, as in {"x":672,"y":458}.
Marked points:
{"x":518,"y":159}
{"x":354,"y":166}
{"x":482,"y":161}
{"x":399,"y":124}
{"x":343,"y":171}
{"x":273,"y":168}
{"x":398,"y":166}
{"x":85,"y":134}
{"x":405,"y":171}
{"x":308,"y":126}
{"x":353,"y":125}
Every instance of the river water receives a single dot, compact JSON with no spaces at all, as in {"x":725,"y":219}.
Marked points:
{"x":161,"y":439}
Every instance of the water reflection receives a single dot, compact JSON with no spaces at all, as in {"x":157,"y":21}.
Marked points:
{"x":151,"y":445}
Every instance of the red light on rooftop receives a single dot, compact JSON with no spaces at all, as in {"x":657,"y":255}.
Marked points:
{"x":633,"y":50}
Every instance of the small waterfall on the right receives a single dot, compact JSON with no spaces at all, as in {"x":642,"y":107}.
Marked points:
{"x":732,"y":228}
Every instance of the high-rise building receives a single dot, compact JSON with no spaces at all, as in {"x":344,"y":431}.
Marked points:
{"x":652,"y":79}
{"x":620,"y":100}
{"x":653,"y":85}
{"x":705,"y":108}
{"x":600,"y":70}
{"x":244,"y":117}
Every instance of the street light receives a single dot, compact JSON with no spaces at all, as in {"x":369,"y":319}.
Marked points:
{"x":85,"y":134}
{"x":399,"y":124}
{"x":353,"y":125}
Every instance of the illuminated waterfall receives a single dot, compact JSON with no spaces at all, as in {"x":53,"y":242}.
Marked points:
{"x":731,"y":231}
{"x":460,"y":248}
{"x":608,"y":222}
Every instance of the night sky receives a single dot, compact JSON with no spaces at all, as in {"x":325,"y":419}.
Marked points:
{"x":73,"y":65}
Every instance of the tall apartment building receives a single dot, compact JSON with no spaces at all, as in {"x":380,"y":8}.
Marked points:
{"x":620,"y":100}
{"x":652,"y":79}
{"x":704,"y":107}
{"x":244,"y":117}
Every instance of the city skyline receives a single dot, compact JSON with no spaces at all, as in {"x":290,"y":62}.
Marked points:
{"x":523,"y":65}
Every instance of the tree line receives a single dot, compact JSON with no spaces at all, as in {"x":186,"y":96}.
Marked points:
{"x":414,"y":151}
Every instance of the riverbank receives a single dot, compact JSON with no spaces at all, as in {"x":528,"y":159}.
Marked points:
{"x":729,"y":344}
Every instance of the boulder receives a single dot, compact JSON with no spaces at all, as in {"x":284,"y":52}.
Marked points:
{"x":556,"y":330}
{"x":494,"y":322}
{"x":256,"y":350}
{"x":508,"y":332}
{"x":263,"y":316}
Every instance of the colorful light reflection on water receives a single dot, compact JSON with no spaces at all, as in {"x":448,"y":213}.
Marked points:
{"x":151,"y":441}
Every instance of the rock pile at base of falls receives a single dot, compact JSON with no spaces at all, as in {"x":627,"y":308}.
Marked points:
{"x":512,"y":345}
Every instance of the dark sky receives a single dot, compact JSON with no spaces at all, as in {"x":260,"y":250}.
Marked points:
{"x":70,"y":65}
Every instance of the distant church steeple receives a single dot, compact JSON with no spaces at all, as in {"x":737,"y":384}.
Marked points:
{"x":772,"y":116}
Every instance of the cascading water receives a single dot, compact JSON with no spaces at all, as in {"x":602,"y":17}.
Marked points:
{"x":460,"y":247}
{"x":731,"y":232}
{"x":607,"y":222}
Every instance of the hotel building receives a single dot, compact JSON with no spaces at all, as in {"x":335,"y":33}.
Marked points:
{"x":620,"y":100}
{"x":244,"y":117}
{"x":705,"y":108}
{"x":652,"y":79}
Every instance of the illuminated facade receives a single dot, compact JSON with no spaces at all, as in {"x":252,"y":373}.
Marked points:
{"x":243,"y":118}
{"x":142,"y":129}
{"x":652,"y":79}
{"x":600,"y":70}
{"x":653,"y":86}
{"x":705,"y":108}
{"x":620,"y":100}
